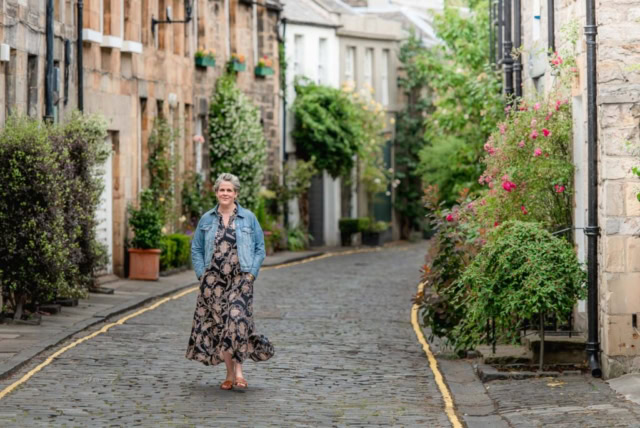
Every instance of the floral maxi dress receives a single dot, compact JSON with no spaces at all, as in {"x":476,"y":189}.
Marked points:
{"x":223,"y":319}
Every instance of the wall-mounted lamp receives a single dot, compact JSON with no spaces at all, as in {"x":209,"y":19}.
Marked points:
{"x":188,"y":9}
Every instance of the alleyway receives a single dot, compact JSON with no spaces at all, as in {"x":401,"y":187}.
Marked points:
{"x":346,"y":354}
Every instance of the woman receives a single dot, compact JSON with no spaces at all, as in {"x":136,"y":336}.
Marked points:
{"x":227,"y":251}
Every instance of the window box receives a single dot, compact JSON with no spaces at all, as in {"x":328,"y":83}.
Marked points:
{"x":263,"y":71}
{"x":238,"y":66}
{"x":205,"y":61}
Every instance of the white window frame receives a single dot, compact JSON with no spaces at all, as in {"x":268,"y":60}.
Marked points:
{"x":367,"y":82}
{"x":323,"y":60}
{"x":350,"y":65}
{"x":298,"y":55}
{"x":384,"y":77}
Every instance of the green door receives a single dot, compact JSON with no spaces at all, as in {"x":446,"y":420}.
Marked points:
{"x":382,"y":201}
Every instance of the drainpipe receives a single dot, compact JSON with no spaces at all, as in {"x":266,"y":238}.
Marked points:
{"x":551,"y":25}
{"x":491,"y":41}
{"x":507,"y":59}
{"x":79,"y":60}
{"x":500,"y":18}
{"x":48,"y":80}
{"x":285,"y":155}
{"x":517,"y":40}
{"x":592,"y":230}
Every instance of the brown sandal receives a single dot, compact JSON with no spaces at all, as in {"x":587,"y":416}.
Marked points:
{"x":226,"y":385}
{"x":241,"y":383}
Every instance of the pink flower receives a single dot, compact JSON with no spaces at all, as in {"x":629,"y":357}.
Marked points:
{"x":483,"y":202}
{"x":546,"y":132}
{"x":548,"y":116}
{"x":523,"y":107}
{"x":536,"y":106}
{"x":537,"y":152}
{"x":505,"y":177}
{"x":508,"y":185}
{"x":521,"y":144}
{"x":507,"y":109}
{"x":559,"y":188}
{"x":503,"y":128}
{"x":558,"y":104}
{"x":557,"y":60}
{"x":489,"y":149}
{"x":534,"y":123}
{"x":534,"y":134}
{"x":450,"y":217}
{"x":524,"y":210}
{"x":470,"y":206}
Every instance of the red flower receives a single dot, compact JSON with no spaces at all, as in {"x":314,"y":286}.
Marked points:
{"x":559,"y":188}
{"x":524,"y":210}
{"x":508,"y":185}
{"x":496,"y":224}
{"x":534,"y":134}
{"x":450,"y":218}
{"x":546,"y":132}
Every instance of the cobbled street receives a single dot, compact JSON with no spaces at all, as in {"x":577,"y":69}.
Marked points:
{"x":346,"y":354}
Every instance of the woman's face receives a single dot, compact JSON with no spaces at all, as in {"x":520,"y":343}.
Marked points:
{"x":226,"y":193}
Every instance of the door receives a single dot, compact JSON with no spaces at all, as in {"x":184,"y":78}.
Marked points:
{"x":382,"y":201}
{"x":104,"y":213}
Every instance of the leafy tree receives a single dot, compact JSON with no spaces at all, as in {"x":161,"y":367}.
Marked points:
{"x":521,"y":272}
{"x":326,"y":128}
{"x":236,"y":139}
{"x":466,"y":99}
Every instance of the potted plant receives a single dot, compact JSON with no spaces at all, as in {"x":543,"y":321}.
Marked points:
{"x":264,"y":67}
{"x":350,"y":227}
{"x":205,"y":58}
{"x":146,"y":222}
{"x":238,"y":62}
{"x":375,"y":234}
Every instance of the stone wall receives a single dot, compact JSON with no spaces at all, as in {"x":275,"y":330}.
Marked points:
{"x":618,"y":96}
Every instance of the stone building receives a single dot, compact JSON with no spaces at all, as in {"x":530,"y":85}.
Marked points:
{"x":618,"y":151}
{"x":135,"y":72}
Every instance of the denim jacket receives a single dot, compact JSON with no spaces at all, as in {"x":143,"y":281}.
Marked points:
{"x":249,"y":240}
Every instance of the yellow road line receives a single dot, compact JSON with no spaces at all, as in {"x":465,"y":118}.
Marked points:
{"x":124,"y":319}
{"x":433,"y":364}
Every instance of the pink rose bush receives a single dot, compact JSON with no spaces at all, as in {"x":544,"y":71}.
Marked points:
{"x":531,"y":160}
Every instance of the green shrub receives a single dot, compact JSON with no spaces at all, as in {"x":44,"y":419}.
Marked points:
{"x":297,"y":239}
{"x":196,"y":200}
{"x":236,"y":139}
{"x":521,"y":272}
{"x":161,"y":165}
{"x":168,"y":254}
{"x":183,"y":249}
{"x":146,"y":222}
{"x":81,"y":147}
{"x":35,"y":250}
{"x":348,"y":225}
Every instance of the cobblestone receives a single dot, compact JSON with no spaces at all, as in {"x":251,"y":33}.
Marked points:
{"x":346,"y":355}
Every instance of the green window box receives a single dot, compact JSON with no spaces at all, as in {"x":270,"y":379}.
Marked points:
{"x":238,"y":66}
{"x":205,"y":61}
{"x":263,"y":71}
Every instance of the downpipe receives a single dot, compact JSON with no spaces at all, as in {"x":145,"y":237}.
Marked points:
{"x":592,"y":230}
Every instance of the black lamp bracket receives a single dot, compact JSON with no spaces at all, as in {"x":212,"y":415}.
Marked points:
{"x":188,"y":9}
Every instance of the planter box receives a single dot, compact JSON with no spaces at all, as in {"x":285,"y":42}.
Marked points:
{"x":351,"y":239}
{"x":376,"y":239}
{"x":205,"y":61}
{"x":263,"y":71}
{"x":238,"y":66}
{"x":144,"y":264}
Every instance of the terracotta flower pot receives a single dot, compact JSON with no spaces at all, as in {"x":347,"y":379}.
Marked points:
{"x":144,"y":264}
